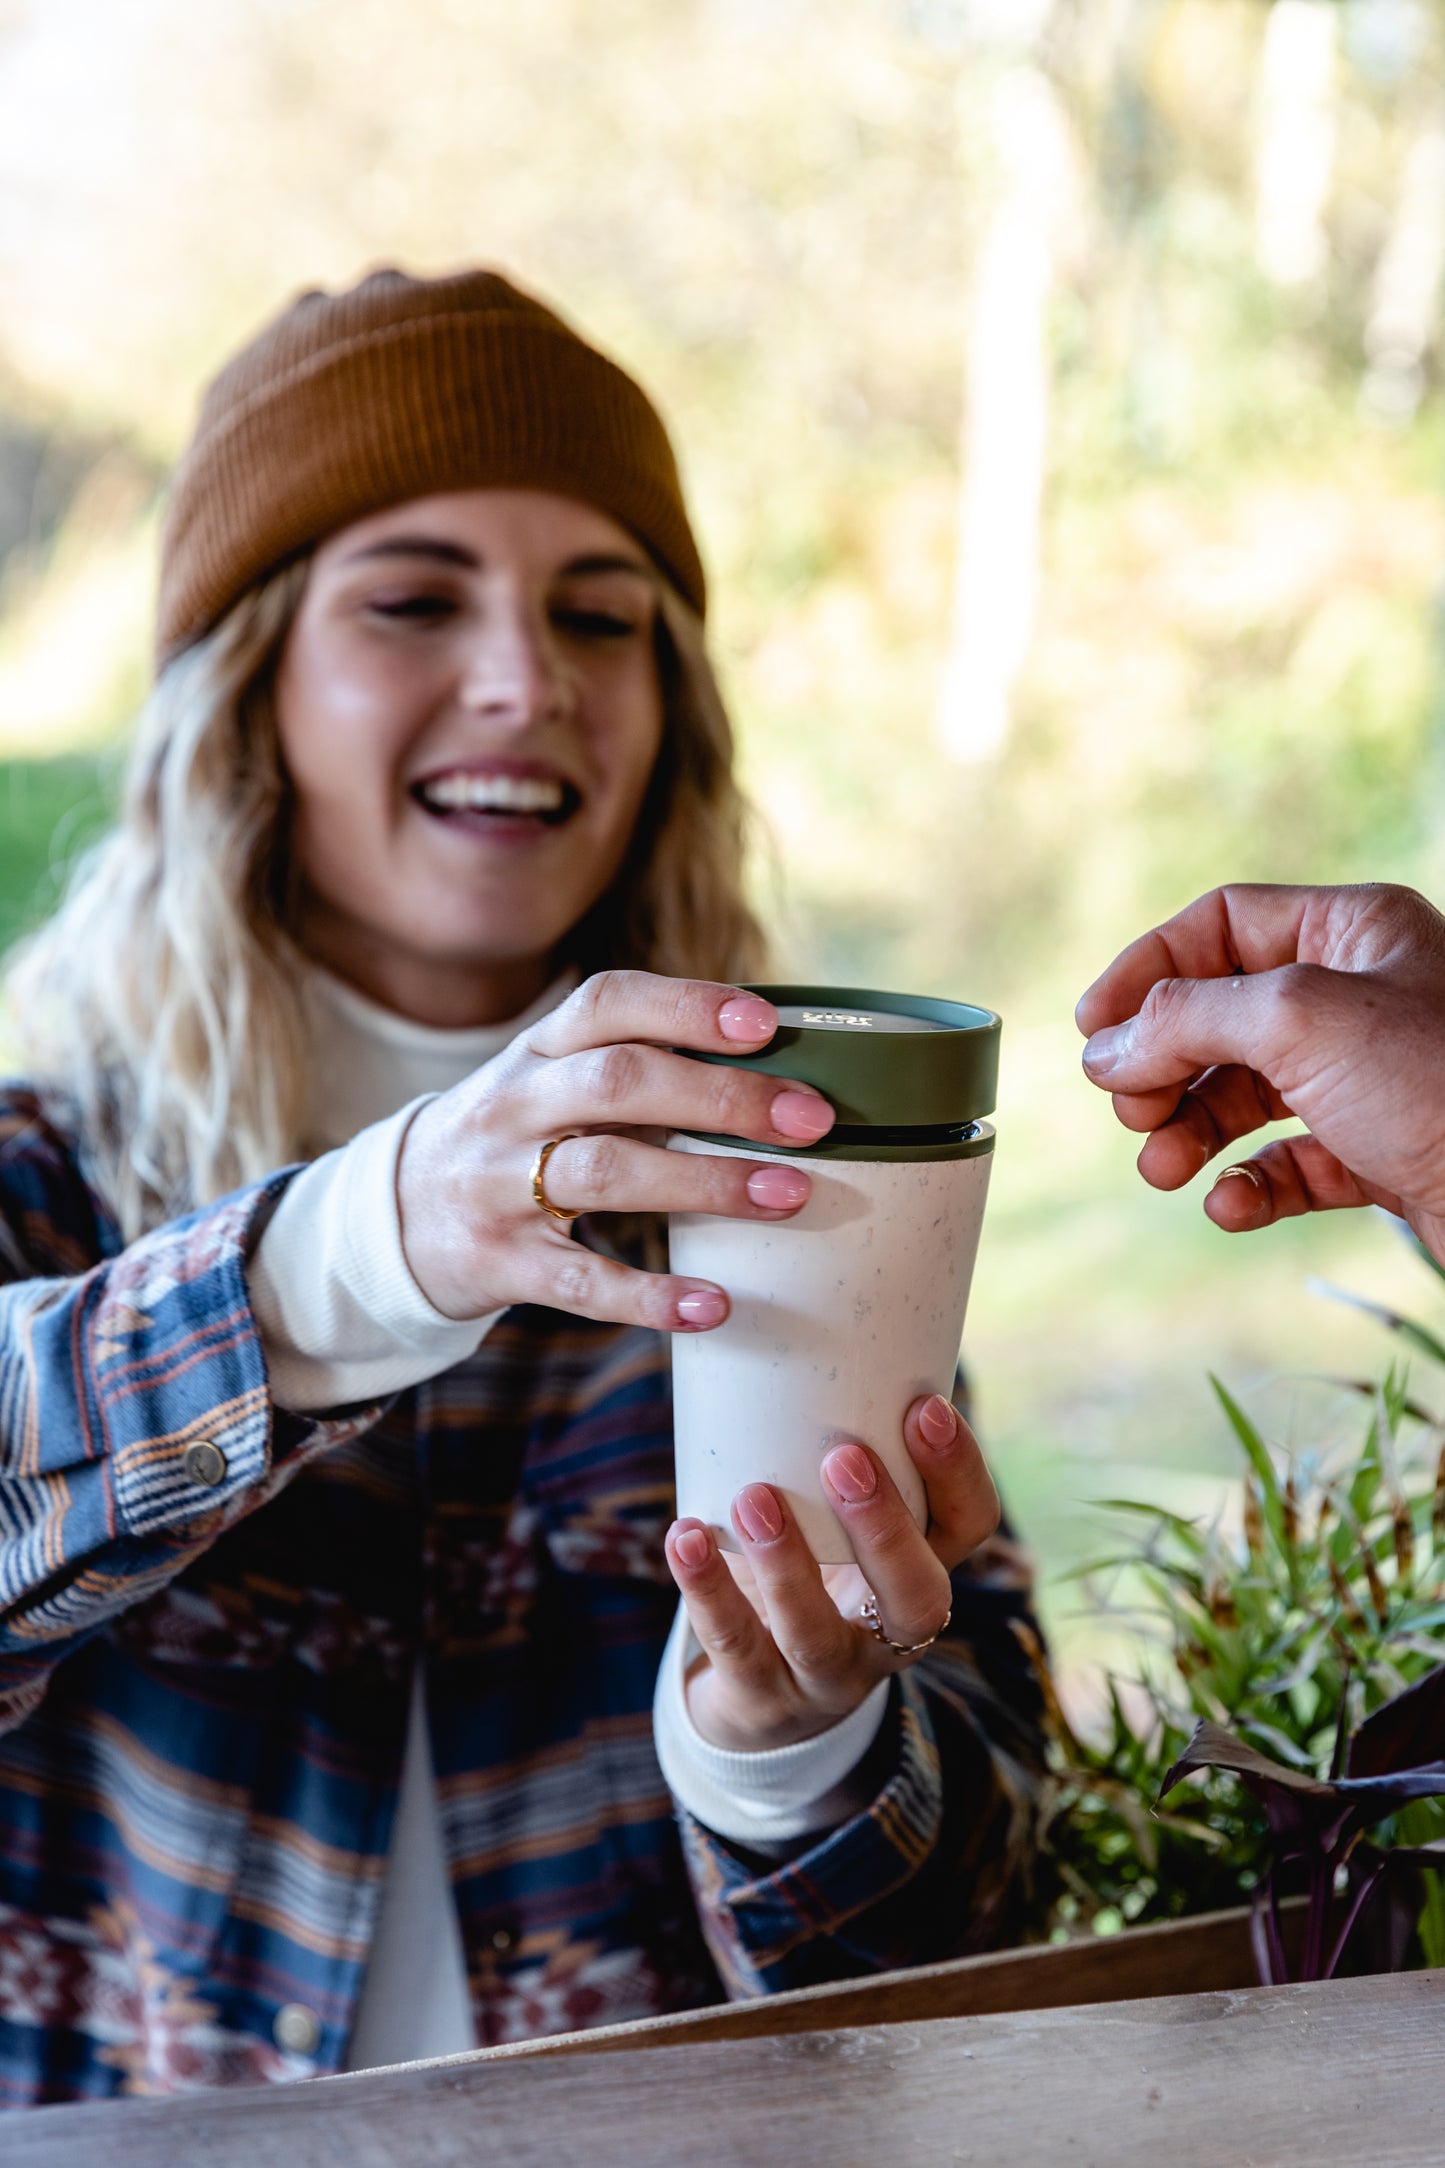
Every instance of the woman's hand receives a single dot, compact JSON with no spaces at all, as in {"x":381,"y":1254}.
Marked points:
{"x":1257,"y":1003}
{"x":601,"y":1066}
{"x":785,"y":1655}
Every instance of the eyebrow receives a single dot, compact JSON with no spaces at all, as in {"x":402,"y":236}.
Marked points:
{"x":436,"y":551}
{"x":418,"y":545}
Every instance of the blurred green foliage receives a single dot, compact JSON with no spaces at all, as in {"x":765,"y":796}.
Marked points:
{"x":49,"y":811}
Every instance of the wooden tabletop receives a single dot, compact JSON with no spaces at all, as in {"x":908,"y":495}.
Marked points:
{"x":1345,"y":2074}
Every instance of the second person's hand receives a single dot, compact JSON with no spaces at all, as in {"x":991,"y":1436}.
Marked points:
{"x":1258,"y":1003}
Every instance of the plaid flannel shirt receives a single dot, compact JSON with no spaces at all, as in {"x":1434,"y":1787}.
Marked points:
{"x":206,"y":1657}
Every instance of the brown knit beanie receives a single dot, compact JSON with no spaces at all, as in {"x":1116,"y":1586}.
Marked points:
{"x":401,"y":388}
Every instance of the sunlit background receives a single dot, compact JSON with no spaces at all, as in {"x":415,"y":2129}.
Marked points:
{"x":1059,"y":390}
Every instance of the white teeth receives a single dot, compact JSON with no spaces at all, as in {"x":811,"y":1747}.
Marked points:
{"x":494,"y":793}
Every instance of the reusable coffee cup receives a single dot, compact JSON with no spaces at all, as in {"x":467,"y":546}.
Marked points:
{"x":846,"y":1313}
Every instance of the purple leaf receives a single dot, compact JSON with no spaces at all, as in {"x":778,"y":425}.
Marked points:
{"x":1294,"y":1802}
{"x":1405,"y":1734}
{"x":1418,"y":1855}
{"x":1318,"y":1821}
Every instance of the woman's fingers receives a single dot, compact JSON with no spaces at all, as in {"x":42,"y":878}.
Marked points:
{"x":816,"y":1643}
{"x":606,"y":1173}
{"x":616,"y":1008}
{"x":559,"y":1274}
{"x":633,"y":1086}
{"x":730,"y":1633}
{"x":963,"y":1508}
{"x":770,"y":1680}
{"x":599,"y":1064}
{"x":608,"y":1059}
{"x":906,"y":1574}
{"x":784,"y":1661}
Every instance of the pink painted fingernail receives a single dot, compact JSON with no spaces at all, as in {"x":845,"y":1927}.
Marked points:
{"x":692,"y":1547}
{"x":756,"y":1513}
{"x":745,"y":1016}
{"x":702,"y":1309}
{"x":778,"y":1189}
{"x":937,"y":1421}
{"x":851,"y":1474}
{"x":805,"y":1115}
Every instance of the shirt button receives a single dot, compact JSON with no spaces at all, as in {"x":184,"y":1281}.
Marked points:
{"x":296,"y":2028}
{"x":206,"y":1463}
{"x":503,"y":1940}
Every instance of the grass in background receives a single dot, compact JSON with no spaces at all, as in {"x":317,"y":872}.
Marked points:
{"x":50,"y":810}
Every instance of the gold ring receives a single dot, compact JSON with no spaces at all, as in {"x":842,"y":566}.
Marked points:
{"x":539,"y":1192}
{"x":1251,"y":1174}
{"x":869,"y":1616}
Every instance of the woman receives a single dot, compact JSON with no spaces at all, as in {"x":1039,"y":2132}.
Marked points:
{"x":336,"y":1462}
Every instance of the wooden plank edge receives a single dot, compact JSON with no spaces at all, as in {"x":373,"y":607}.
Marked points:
{"x":1167,"y":1958}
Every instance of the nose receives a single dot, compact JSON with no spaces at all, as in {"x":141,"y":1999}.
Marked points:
{"x":512,"y":672}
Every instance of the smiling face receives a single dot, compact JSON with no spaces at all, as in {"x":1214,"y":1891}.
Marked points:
{"x":469,"y":711}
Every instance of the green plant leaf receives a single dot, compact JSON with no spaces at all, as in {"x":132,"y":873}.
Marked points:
{"x":1259,"y":1459}
{"x":1367,"y":1389}
{"x":1188,"y":1531}
{"x":1345,"y":1582}
{"x":1418,"y":1335}
{"x":1306,"y":1659}
{"x":1271,"y":1736}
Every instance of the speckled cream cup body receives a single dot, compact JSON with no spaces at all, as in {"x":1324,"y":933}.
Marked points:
{"x":840,"y":1318}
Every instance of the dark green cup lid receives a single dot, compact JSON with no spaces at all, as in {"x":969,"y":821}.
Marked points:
{"x":886,"y":1061}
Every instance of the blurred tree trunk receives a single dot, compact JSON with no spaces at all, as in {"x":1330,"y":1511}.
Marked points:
{"x":1295,"y":140}
{"x":1005,"y":429}
{"x":1404,"y":318}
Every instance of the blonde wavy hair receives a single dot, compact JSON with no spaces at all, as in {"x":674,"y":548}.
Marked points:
{"x":160,"y":1009}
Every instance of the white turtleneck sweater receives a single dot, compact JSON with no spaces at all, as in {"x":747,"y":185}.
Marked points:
{"x":342,"y":1319}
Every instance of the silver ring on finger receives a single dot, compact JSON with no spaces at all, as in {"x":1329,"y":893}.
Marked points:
{"x":868,"y":1614}
{"x":538,"y":1181}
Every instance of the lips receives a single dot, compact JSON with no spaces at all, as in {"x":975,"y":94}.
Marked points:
{"x":468,"y":795}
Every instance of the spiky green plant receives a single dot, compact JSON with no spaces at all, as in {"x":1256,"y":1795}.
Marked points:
{"x":1328,"y":1603}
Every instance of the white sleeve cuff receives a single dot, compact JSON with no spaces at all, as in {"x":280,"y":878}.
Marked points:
{"x":342,"y":1318}
{"x":757,"y":1799}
